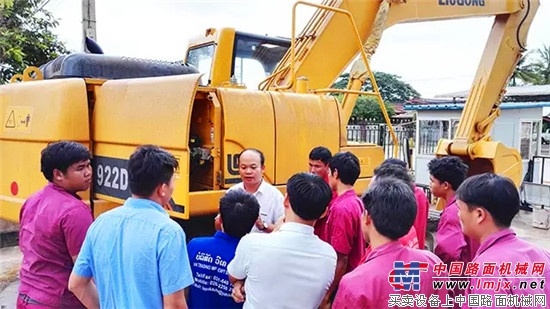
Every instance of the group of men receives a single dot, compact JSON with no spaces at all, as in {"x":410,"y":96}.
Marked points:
{"x":317,"y":246}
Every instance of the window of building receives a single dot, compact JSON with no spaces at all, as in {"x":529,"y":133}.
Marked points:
{"x":529,"y":138}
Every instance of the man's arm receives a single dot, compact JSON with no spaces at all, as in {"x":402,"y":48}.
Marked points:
{"x":174,"y":269}
{"x":341,"y":233}
{"x":237,"y":269}
{"x":85,"y":290}
{"x":238,"y":293}
{"x":80,"y":281}
{"x":341,"y":268}
{"x":450,"y":239}
{"x":75,"y":225}
{"x":175,"y":300}
{"x":277,"y":213}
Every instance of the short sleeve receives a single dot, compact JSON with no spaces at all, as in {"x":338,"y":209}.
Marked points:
{"x":84,"y":263}
{"x":341,"y":230}
{"x":278,"y":207}
{"x":238,"y":267}
{"x":174,"y":268}
{"x":74,"y":225}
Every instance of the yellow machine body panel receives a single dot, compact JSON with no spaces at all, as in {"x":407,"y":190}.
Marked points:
{"x":370,"y":156}
{"x":302,"y":122}
{"x":133,"y":112}
{"x":249,"y":122}
{"x":33,"y":115}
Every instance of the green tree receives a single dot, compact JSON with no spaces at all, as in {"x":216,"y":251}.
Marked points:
{"x":541,"y":66}
{"x":367,"y":108}
{"x":5,"y":3}
{"x":26,"y":37}
{"x":524,"y":72}
{"x":392,"y":88}
{"x":533,"y":68}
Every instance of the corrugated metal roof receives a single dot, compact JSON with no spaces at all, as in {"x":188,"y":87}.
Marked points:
{"x":518,"y":91}
{"x":460,"y":106}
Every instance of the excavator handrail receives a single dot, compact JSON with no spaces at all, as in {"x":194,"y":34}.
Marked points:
{"x":331,"y":90}
{"x":293,"y":37}
{"x":271,"y":76}
{"x":376,"y":91}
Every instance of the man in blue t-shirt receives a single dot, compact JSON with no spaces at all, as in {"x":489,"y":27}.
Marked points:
{"x":135,"y":253}
{"x":209,"y":256}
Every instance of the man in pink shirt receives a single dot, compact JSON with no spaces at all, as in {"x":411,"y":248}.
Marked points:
{"x":487,"y":204}
{"x":446,"y":175}
{"x":397,"y":171}
{"x":421,"y":220}
{"x":343,"y":227}
{"x":391,"y":272}
{"x":318,"y":165}
{"x":53,"y":224}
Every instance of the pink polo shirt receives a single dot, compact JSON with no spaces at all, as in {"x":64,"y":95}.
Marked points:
{"x":343,"y":229}
{"x":506,"y":258}
{"x":320,"y":227}
{"x":452,"y":244}
{"x":53,"y":224}
{"x":368,"y":285}
{"x":421,"y":221}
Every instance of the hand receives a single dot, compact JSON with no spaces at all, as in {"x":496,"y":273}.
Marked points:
{"x":260,"y":223}
{"x":238,"y":293}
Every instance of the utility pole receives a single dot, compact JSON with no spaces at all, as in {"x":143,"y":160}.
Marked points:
{"x":88,"y":22}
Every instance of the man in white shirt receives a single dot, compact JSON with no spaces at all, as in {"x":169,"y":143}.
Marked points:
{"x":291,"y":268}
{"x":251,"y":168}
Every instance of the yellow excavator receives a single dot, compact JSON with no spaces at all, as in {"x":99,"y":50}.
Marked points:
{"x":239,"y":90}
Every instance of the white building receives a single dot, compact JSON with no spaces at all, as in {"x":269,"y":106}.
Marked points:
{"x":519,"y":126}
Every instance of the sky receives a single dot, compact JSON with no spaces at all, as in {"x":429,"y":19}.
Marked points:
{"x":434,"y":57}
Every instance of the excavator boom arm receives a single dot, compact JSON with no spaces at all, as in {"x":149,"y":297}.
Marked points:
{"x":328,"y":31}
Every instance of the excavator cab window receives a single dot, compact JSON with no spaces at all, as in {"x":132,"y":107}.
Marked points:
{"x":256,"y":56}
{"x":201,"y":57}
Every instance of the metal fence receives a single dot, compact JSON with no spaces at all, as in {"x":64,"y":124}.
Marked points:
{"x":378,"y":133}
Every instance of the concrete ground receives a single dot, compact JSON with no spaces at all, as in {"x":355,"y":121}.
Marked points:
{"x":10,"y":258}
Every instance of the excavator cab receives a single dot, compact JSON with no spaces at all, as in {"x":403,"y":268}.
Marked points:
{"x":232,"y":58}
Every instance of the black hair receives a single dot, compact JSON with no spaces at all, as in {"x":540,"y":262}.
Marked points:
{"x":395,"y":161}
{"x":61,"y":155}
{"x":448,"y":169}
{"x":496,"y":194}
{"x":261,"y":154}
{"x":347,"y":165}
{"x":393,"y":170}
{"x":239,"y":210}
{"x":150,"y":166}
{"x":309,"y":195}
{"x":392,"y":206}
{"x":320,"y":153}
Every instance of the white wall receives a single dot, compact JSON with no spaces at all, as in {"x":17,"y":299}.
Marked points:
{"x":506,"y":129}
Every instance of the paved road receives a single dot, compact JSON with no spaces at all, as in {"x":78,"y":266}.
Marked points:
{"x":9,"y":264}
